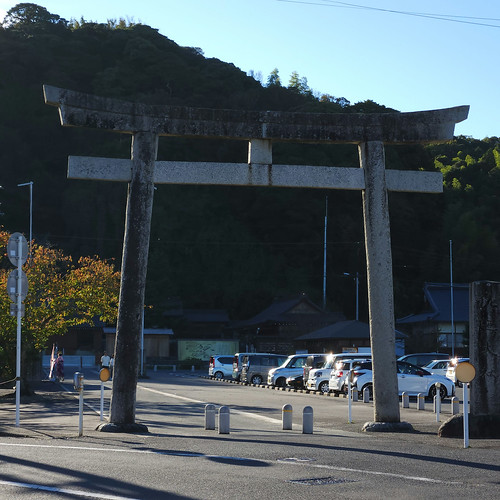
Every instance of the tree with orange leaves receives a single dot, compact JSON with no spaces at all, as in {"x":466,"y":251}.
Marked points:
{"x":60,"y":294}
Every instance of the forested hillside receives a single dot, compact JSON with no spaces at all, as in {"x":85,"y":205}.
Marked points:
{"x":216,"y":247}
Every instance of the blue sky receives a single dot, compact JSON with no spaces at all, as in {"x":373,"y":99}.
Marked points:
{"x":359,"y":49}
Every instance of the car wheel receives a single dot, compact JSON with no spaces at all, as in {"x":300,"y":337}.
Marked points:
{"x":323,"y":387}
{"x":281,"y":382}
{"x":219,"y":375}
{"x":442,"y":391}
{"x":256,"y":379}
{"x":370,"y":390}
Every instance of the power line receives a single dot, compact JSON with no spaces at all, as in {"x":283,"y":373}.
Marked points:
{"x":440,"y":17}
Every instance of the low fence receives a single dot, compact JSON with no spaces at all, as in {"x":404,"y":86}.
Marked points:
{"x":79,"y":361}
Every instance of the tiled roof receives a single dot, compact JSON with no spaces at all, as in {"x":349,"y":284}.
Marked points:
{"x":438,"y":297}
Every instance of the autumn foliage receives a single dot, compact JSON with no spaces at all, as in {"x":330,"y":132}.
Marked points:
{"x":60,"y":294}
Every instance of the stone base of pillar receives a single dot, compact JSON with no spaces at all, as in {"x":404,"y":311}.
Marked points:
{"x":480,"y":427}
{"x":387,"y":427}
{"x":123,"y":428}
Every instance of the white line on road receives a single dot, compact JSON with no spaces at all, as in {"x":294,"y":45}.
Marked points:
{"x":236,"y":412}
{"x":201,"y":455}
{"x":65,"y":491}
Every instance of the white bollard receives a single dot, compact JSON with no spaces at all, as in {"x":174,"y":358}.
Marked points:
{"x":209,"y":417}
{"x":287,"y":417}
{"x":307,"y":420}
{"x":455,"y":405}
{"x":223,"y":420}
{"x":355,"y":394}
{"x":366,"y":395}
{"x":437,"y":406}
{"x":405,"y":400}
{"x":420,"y":401}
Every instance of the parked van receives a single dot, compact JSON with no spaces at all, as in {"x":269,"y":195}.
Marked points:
{"x":293,"y":365}
{"x":238,"y":363}
{"x":256,"y":366}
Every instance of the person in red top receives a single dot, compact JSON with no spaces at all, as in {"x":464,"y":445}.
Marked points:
{"x":60,"y":367}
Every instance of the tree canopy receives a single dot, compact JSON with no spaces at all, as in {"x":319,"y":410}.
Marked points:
{"x":61,"y":294}
{"x":218,"y":247}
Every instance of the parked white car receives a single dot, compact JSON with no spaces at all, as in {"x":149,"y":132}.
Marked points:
{"x":220,"y":366}
{"x":319,"y":378}
{"x":293,"y":366}
{"x":338,"y":376}
{"x":450,"y":373}
{"x":412,"y":380}
{"x":438,"y":366}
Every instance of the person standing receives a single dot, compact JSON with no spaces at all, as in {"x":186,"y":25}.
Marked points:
{"x":59,"y":367}
{"x":105,"y":359}
{"x":111,"y":366}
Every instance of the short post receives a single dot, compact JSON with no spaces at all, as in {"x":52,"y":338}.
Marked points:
{"x":466,"y":414}
{"x":287,"y":417}
{"x":209,"y":417}
{"x":101,"y":416}
{"x":420,"y":401}
{"x":366,"y":395}
{"x":405,"y":400}
{"x":455,"y":405}
{"x":307,"y":420}
{"x":223,"y":420}
{"x":437,"y":401}
{"x":355,"y":394}
{"x":80,"y":413}
{"x":349,"y":401}
{"x":78,"y":386}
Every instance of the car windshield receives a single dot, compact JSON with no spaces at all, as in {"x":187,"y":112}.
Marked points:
{"x":409,"y":369}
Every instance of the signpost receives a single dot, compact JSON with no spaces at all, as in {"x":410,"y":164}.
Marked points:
{"x":465,"y":373}
{"x":17,"y":289}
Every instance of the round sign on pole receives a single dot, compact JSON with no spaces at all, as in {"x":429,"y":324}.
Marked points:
{"x":104,"y":374}
{"x":465,"y":372}
{"x":13,"y":249}
{"x":12,"y":285}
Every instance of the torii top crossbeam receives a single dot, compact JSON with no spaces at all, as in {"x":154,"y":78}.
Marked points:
{"x":83,"y":110}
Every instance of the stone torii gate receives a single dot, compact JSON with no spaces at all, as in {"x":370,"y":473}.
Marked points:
{"x":146,"y":123}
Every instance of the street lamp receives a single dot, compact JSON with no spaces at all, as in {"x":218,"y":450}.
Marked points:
{"x":30,"y":184}
{"x":356,"y":279}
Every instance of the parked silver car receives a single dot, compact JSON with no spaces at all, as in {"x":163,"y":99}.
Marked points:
{"x":319,"y":378}
{"x":338,"y":376}
{"x":293,"y":365}
{"x":220,"y":366}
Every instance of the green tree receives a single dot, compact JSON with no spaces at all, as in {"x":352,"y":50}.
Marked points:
{"x":30,"y":14}
{"x":60,"y":294}
{"x":273,"y":80}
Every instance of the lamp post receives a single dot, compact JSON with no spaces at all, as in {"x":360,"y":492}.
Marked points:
{"x":356,"y":279}
{"x":30,"y":184}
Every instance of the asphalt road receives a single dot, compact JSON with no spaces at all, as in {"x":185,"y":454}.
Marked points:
{"x":178,"y":458}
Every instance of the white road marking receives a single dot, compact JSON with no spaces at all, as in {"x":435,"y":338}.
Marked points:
{"x":285,"y":461}
{"x":374,"y":473}
{"x":65,"y":491}
{"x":236,"y":412}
